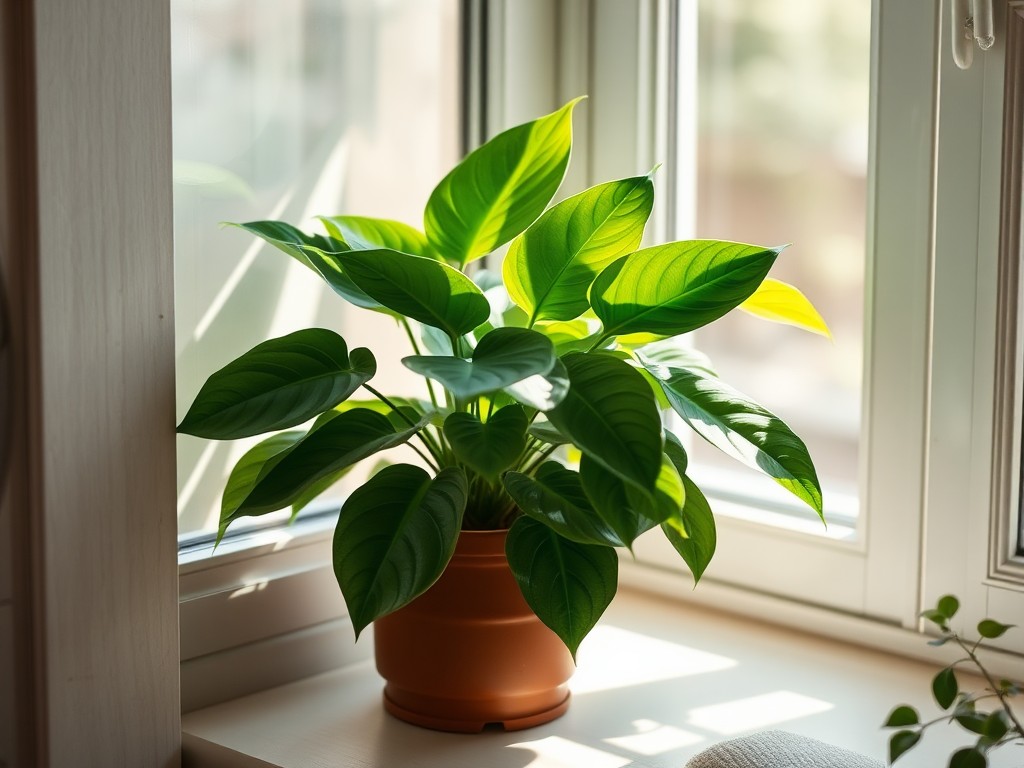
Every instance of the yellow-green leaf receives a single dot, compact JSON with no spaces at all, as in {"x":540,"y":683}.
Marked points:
{"x":783,"y":303}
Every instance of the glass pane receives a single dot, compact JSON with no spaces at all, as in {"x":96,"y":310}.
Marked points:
{"x":783,"y":91}
{"x":289,"y":110}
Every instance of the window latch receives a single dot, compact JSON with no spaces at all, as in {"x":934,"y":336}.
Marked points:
{"x":972,"y":23}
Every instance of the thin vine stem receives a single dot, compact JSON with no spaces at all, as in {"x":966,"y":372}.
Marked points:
{"x":997,"y":690}
{"x":416,"y":350}
{"x":435,"y":466}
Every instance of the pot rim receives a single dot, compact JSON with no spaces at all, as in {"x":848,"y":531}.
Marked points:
{"x":487,"y":543}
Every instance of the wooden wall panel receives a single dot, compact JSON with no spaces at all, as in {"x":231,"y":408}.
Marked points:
{"x":105,"y":393}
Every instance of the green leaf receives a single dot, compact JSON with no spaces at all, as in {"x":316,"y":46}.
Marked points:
{"x":991,"y":629}
{"x":320,"y":486}
{"x":394,"y":537}
{"x":945,"y":688}
{"x":247,"y":471}
{"x":488,"y":448}
{"x":503,"y":357}
{"x":935,"y":616}
{"x":417,"y":287}
{"x":610,"y":414}
{"x":316,"y":252}
{"x":628,"y":513}
{"x":678,"y":287}
{"x":499,"y":189}
{"x":676,"y":453}
{"x":328,"y":447}
{"x":367,"y":234}
{"x":548,"y":271}
{"x":968,"y":757}
{"x":567,"y":584}
{"x":972,"y":721}
{"x":996,"y":725}
{"x":742,"y":429}
{"x":542,"y":391}
{"x":948,"y":605}
{"x":900,"y":742}
{"x":546,"y":433}
{"x":675,"y":353}
{"x":696,"y":537}
{"x":783,"y":303}
{"x":278,"y":384}
{"x":555,"y":497}
{"x":570,"y":336}
{"x":902,"y":715}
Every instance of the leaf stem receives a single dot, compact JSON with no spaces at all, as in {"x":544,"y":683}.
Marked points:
{"x":997,"y":690}
{"x":435,"y":466}
{"x":416,"y":350}
{"x":540,"y":458}
{"x":600,"y":340}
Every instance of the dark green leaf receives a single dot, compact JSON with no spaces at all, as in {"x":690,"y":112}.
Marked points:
{"x":567,"y":584}
{"x":996,"y":725}
{"x":367,"y":234}
{"x":628,"y":514}
{"x":488,"y":448}
{"x":316,"y":252}
{"x":394,"y":537}
{"x":742,"y":429}
{"x":679,"y":287}
{"x":676,"y":453}
{"x":694,"y":537}
{"x":902,"y":715}
{"x":555,"y":497}
{"x":503,"y":357}
{"x":327,"y":448}
{"x":546,"y":433}
{"x":945,"y":688}
{"x":968,"y":757}
{"x":972,"y":721}
{"x":548,"y":271}
{"x":319,"y":487}
{"x":278,"y":384}
{"x":900,"y":742}
{"x":247,"y":472}
{"x":500,"y":188}
{"x":610,"y":414}
{"x":991,"y":629}
{"x":418,"y":287}
{"x":948,"y":605}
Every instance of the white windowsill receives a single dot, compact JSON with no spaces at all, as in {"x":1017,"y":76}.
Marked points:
{"x":658,"y":681}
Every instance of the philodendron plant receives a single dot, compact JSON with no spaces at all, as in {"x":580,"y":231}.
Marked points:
{"x":574,"y":346}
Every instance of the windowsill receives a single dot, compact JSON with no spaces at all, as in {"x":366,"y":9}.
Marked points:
{"x":658,"y":681}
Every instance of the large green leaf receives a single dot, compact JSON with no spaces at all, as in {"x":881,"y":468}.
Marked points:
{"x":610,"y":414}
{"x":418,"y":287}
{"x":330,"y":445}
{"x":499,"y":189}
{"x":366,"y":234}
{"x":743,"y":429}
{"x":567,"y":584}
{"x":316,"y":252}
{"x":394,"y":537}
{"x":492,"y":447}
{"x":247,"y":471}
{"x":503,"y":357}
{"x":555,"y":497}
{"x":691,"y":531}
{"x":548,"y":270}
{"x":278,"y":384}
{"x":678,"y":287}
{"x":628,"y":510}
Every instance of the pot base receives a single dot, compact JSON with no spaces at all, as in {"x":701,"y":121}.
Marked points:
{"x":473,"y":725}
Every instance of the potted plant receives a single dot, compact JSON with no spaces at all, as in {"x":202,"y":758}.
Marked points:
{"x":575,"y":345}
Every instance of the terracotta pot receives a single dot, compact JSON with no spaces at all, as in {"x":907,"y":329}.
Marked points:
{"x":469,"y":652}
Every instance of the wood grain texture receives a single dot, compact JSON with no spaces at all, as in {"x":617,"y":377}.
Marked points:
{"x":107,"y":390}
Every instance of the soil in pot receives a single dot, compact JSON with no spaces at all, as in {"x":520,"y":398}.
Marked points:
{"x":469,"y":652}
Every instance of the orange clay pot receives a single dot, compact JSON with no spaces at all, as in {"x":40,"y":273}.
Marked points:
{"x":469,"y":652}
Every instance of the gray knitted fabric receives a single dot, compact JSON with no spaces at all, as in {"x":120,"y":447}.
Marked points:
{"x":778,"y":749}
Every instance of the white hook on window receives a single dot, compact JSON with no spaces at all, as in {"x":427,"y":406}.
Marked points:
{"x":971,"y":22}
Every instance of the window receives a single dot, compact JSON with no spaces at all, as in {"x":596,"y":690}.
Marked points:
{"x":918,"y":452}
